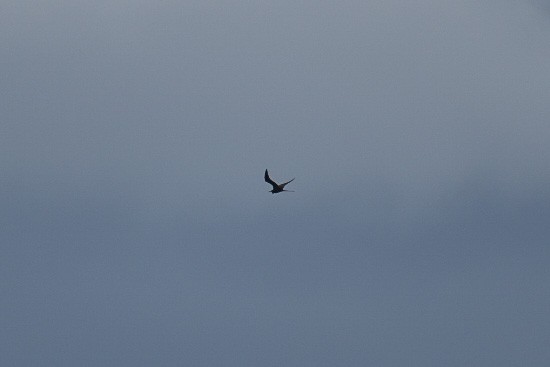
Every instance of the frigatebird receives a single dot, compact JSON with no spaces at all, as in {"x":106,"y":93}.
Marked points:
{"x":276,"y":187}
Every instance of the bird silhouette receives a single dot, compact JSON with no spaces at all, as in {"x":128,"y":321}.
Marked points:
{"x":276,"y":187}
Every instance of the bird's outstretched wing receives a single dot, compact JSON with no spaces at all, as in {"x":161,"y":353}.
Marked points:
{"x":269,"y":180}
{"x":284,"y":184}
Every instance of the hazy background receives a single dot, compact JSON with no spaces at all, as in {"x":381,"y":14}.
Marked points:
{"x":136,"y":229}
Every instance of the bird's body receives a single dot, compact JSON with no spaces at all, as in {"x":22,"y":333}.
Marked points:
{"x":276,"y":187}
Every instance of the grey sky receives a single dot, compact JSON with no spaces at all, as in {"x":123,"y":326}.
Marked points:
{"x":136,"y":228}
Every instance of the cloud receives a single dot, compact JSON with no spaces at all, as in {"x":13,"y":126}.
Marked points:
{"x":137,"y":229}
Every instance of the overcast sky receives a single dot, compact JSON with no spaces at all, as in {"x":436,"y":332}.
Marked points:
{"x":136,"y":229}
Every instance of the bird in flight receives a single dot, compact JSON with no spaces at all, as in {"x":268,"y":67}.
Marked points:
{"x":276,"y":187}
